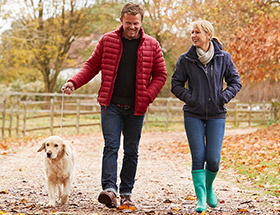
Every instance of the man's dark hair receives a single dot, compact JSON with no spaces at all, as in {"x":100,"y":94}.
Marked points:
{"x":133,"y":9}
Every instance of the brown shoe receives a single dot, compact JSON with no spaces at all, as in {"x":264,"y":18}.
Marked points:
{"x":125,"y":200}
{"x":108,"y":198}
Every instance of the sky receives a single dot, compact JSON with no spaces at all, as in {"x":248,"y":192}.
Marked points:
{"x":4,"y":25}
{"x":6,"y":14}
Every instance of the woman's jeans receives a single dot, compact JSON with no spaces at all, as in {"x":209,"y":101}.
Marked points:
{"x":116,"y":119}
{"x":205,"y":140}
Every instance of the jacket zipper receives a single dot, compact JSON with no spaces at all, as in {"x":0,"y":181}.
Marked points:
{"x":139,"y":61}
{"x":205,"y":67}
{"x":115,"y":76}
{"x":212,"y":76}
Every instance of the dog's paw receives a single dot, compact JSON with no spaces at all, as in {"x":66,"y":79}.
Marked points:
{"x":50,"y":205}
{"x":64,"y":199}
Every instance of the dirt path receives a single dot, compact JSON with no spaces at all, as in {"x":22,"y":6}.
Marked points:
{"x":163,"y":184}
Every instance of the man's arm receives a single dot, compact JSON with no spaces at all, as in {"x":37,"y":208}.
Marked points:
{"x":89,"y":70}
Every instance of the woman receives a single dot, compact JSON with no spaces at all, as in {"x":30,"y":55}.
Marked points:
{"x":203,"y":68}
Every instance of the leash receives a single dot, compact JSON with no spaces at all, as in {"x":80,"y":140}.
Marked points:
{"x":61,"y":119}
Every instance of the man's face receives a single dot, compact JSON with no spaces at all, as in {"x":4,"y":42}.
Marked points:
{"x":131,"y":26}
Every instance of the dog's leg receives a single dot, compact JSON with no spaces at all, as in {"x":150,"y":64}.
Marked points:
{"x":66,"y":191}
{"x":60,"y":188}
{"x":51,"y":192}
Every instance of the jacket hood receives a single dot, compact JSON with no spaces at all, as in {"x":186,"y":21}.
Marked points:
{"x":217,"y":47}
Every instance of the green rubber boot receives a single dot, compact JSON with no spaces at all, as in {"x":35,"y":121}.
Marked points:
{"x":211,"y":196}
{"x":200,"y":190}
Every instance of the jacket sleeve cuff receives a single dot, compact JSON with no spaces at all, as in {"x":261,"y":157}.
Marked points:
{"x":72,"y":83}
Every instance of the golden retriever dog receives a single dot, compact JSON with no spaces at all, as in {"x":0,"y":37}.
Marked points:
{"x":59,"y":168}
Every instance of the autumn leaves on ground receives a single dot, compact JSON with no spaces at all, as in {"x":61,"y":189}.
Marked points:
{"x":248,"y":182}
{"x":256,"y":156}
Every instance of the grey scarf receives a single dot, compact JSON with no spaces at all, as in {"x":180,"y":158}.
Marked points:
{"x":205,"y":57}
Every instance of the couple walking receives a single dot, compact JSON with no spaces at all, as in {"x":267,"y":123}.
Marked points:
{"x":133,"y":73}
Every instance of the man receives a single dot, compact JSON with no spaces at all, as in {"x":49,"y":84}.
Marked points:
{"x":133,"y":73}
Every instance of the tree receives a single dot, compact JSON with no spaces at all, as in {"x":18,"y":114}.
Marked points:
{"x":106,"y":15}
{"x":15,"y":60}
{"x":249,"y":31}
{"x":45,"y":32}
{"x":256,"y":49}
{"x":167,"y":21}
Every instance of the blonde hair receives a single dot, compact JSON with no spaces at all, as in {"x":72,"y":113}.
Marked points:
{"x":206,"y":26}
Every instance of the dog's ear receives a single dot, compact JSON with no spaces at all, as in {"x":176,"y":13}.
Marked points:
{"x":42,"y":147}
{"x":65,"y":149}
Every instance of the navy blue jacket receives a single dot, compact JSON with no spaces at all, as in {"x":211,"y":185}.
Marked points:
{"x":204,"y":96}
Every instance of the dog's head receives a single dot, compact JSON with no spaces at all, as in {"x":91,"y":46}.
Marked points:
{"x":54,"y":146}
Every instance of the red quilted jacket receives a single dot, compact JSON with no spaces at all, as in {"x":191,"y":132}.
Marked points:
{"x":150,"y":74}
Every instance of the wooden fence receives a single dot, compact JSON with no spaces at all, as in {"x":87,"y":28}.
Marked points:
{"x":23,"y":113}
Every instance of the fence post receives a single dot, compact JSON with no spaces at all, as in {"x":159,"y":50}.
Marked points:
{"x":275,"y":104}
{"x":24,"y":119}
{"x":17,"y":116}
{"x":51,"y":116}
{"x":78,"y":116}
{"x":3,"y":118}
{"x":250,"y":113}
{"x":264,"y":111}
{"x":235,"y":115}
{"x":11,"y":118}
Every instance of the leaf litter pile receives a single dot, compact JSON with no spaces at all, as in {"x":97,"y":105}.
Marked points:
{"x":256,"y":156}
{"x":163,"y":183}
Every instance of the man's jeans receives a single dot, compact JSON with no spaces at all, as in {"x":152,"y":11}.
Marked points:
{"x":205,"y":140}
{"x":114,"y":120}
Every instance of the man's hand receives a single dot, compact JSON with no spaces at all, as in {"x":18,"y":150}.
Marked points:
{"x":68,"y":88}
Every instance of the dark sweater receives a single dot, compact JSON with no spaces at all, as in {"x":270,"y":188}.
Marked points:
{"x":124,"y":88}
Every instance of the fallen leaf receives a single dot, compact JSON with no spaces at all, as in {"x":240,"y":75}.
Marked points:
{"x":23,"y":201}
{"x":243,"y":210}
{"x":190,"y":198}
{"x":175,"y":209}
{"x":127,"y":207}
{"x":3,"y":192}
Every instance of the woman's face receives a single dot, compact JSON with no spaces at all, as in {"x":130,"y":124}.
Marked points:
{"x":201,"y":39}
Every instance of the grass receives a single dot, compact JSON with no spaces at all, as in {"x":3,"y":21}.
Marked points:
{"x":256,"y":157}
{"x":265,"y":181}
